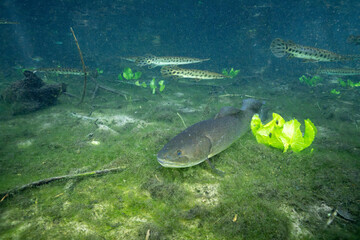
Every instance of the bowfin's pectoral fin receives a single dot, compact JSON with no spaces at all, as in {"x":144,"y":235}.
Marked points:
{"x":216,"y":171}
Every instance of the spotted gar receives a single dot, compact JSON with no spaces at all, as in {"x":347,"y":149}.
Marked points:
{"x":280,"y":48}
{"x":207,"y":138}
{"x":66,"y":71}
{"x":153,"y":61}
{"x":176,"y":72}
{"x":7,"y":22}
{"x":339,"y":71}
{"x":352,"y":39}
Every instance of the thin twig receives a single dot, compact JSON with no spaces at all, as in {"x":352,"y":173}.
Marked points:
{"x":52,"y":179}
{"x":242,"y":95}
{"x":95,"y":91}
{"x":181,"y":119}
{"x":112,"y":90}
{"x":83,"y":65}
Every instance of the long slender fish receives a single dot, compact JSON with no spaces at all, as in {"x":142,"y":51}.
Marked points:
{"x":205,"y":139}
{"x":130,"y":59}
{"x":7,"y":22}
{"x":339,"y":71}
{"x":153,"y":61}
{"x":66,"y":71}
{"x":176,"y":72}
{"x":280,"y":48}
{"x":352,"y":39}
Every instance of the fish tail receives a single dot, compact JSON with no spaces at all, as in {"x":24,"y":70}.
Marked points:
{"x":278,"y":47}
{"x":356,"y":57}
{"x":252,"y":105}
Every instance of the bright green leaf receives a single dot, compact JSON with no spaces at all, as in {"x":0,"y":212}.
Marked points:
{"x":292,"y":136}
{"x":162,"y":85}
{"x":137,"y":75}
{"x":310,"y":133}
{"x":152,"y":83}
{"x":128,"y":74}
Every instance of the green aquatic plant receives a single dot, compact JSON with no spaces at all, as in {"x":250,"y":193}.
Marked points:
{"x":232,"y":73}
{"x":129,"y":75}
{"x":283,"y":135}
{"x":310,"y":81}
{"x":99,"y":71}
{"x":162,"y":85}
{"x":152,"y":85}
{"x":334,"y":91}
{"x":143,"y":84}
{"x":348,"y":83}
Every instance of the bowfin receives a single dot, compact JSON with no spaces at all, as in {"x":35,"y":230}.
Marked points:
{"x":226,"y":111}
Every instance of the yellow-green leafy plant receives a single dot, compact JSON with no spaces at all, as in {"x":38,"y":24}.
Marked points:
{"x":231,"y":73}
{"x":283,"y":135}
{"x":129,"y":75}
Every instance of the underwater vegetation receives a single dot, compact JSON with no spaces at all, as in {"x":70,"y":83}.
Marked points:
{"x":152,"y":85}
{"x":310,"y":81}
{"x":264,"y":194}
{"x":348,"y":83}
{"x":111,"y":186}
{"x":129,"y":75}
{"x":230,"y":73}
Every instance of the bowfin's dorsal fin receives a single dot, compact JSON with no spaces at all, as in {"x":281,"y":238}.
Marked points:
{"x":227,"y":111}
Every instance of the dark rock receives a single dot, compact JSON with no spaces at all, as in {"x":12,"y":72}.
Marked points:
{"x":31,"y":94}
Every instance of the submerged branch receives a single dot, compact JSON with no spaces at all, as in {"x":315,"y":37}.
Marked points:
{"x":52,"y":179}
{"x":83,"y":65}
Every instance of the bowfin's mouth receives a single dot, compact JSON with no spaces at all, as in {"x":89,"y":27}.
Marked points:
{"x":170,"y":164}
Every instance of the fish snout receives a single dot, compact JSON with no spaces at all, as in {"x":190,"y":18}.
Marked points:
{"x":167,"y":160}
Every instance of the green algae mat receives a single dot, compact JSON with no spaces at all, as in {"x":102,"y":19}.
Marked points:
{"x":265,"y":193}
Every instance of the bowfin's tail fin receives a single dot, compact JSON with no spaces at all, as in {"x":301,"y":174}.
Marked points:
{"x":278,"y":47}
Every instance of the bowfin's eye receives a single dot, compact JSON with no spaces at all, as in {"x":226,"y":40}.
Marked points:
{"x":178,"y":152}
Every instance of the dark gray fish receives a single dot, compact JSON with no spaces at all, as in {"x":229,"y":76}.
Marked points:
{"x":207,"y":138}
